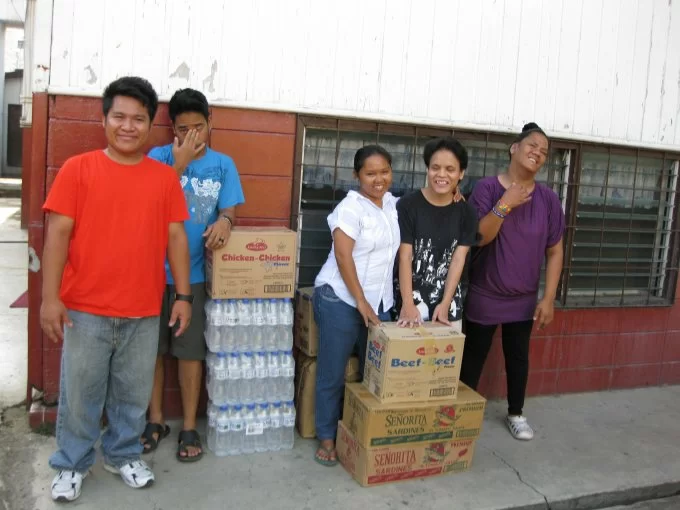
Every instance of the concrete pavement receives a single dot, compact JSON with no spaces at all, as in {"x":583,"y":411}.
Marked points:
{"x":593,"y":450}
{"x":13,"y":275}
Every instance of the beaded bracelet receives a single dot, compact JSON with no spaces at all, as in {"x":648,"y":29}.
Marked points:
{"x":498,"y":213}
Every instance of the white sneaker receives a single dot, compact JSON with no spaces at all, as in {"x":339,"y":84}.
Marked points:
{"x":519,"y":428}
{"x":66,"y":486}
{"x":135,"y":474}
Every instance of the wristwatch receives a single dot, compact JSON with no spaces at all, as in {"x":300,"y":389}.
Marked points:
{"x":189,"y":298}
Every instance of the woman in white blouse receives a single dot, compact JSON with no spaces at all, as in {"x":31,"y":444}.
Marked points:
{"x":354,"y":287}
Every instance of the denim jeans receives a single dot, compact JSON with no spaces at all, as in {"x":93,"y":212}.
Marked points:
{"x":341,"y":332}
{"x":106,"y":363}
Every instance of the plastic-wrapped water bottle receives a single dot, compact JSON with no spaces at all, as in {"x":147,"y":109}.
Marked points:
{"x":230,"y":313}
{"x":236,"y":429}
{"x":256,"y":342}
{"x":217,"y":389}
{"x":248,"y":378}
{"x":288,"y":428}
{"x":286,"y":313}
{"x":252,"y":429}
{"x":262,"y":419}
{"x":212,"y":426}
{"x":275,"y":426}
{"x":285,"y":388}
{"x":222,"y":432}
{"x":269,"y":338}
{"x":271,"y":312}
{"x":258,"y":313}
{"x":245,"y":312}
{"x":273,"y":370}
{"x":260,"y":383}
{"x":235,"y":374}
{"x":227,"y":339}
{"x":287,"y":364}
{"x":284,"y":338}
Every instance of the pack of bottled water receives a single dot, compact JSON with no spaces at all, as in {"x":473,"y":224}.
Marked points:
{"x":250,"y":375}
{"x":243,"y":429}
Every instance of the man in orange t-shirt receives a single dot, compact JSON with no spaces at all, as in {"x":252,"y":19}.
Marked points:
{"x":113,"y":216}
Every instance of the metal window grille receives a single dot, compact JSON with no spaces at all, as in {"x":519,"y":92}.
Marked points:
{"x":622,"y":229}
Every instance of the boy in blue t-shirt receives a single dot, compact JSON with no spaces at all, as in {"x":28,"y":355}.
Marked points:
{"x":212,"y":190}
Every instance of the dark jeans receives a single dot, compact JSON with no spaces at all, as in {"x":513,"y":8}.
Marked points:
{"x":516,"y":337}
{"x":341,"y":332}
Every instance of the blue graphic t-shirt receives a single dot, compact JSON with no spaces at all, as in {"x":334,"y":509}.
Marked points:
{"x":210,"y":183}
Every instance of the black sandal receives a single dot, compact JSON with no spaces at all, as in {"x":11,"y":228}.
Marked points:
{"x":147,"y":436}
{"x":188,"y":438}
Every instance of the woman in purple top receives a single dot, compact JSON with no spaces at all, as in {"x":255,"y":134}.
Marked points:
{"x":521,"y":222}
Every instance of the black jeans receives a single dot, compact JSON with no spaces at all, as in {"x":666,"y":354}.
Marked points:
{"x":516,"y":337}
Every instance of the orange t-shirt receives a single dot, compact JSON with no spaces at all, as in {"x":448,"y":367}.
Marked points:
{"x":121,"y":213}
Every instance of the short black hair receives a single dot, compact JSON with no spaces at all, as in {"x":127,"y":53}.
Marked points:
{"x":446,"y":143}
{"x":366,"y":152}
{"x":188,"y":100}
{"x":134,"y":87}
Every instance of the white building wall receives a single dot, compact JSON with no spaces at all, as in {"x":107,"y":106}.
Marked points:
{"x":602,"y":70}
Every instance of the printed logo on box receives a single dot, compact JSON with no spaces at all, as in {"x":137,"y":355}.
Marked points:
{"x":375,"y":353}
{"x":257,"y":245}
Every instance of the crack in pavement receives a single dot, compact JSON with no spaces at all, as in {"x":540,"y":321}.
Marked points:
{"x":519,"y":477}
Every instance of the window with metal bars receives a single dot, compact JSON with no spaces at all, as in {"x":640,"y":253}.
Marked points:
{"x":622,"y":229}
{"x":620,"y":244}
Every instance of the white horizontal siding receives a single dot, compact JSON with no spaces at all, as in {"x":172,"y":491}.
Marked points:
{"x":605,"y":70}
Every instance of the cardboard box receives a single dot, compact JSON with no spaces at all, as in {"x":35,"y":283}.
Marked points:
{"x":257,"y":262}
{"x":305,"y":391}
{"x":306,"y":333}
{"x":409,"y":365}
{"x":374,"y":466}
{"x":376,"y":424}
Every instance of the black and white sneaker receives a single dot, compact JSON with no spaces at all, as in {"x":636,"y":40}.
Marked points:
{"x":135,"y":474}
{"x":66,"y":486}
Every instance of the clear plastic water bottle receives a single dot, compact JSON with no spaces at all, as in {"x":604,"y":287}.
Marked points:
{"x":287,"y":364}
{"x":273,"y":371}
{"x":235,"y":374}
{"x":271,"y":312}
{"x":236,"y":429}
{"x":284,"y":338}
{"x":269,"y":341}
{"x":262,"y":419}
{"x":258,"y":312}
{"x":285,"y":388}
{"x":275,"y":426}
{"x":252,"y":429}
{"x":227,"y":339}
{"x":288,"y":428}
{"x":286,"y":313}
{"x":243,"y":338}
{"x":230,"y":313}
{"x":256,"y":342}
{"x":212,"y":412}
{"x":247,"y":378}
{"x":217,"y":389}
{"x":245,"y":315}
{"x":260,"y":383}
{"x":222,"y":432}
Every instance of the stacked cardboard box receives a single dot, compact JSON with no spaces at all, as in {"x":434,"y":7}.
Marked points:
{"x":305,"y":391}
{"x":306,"y":339}
{"x":411,"y":418}
{"x":257,"y":262}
